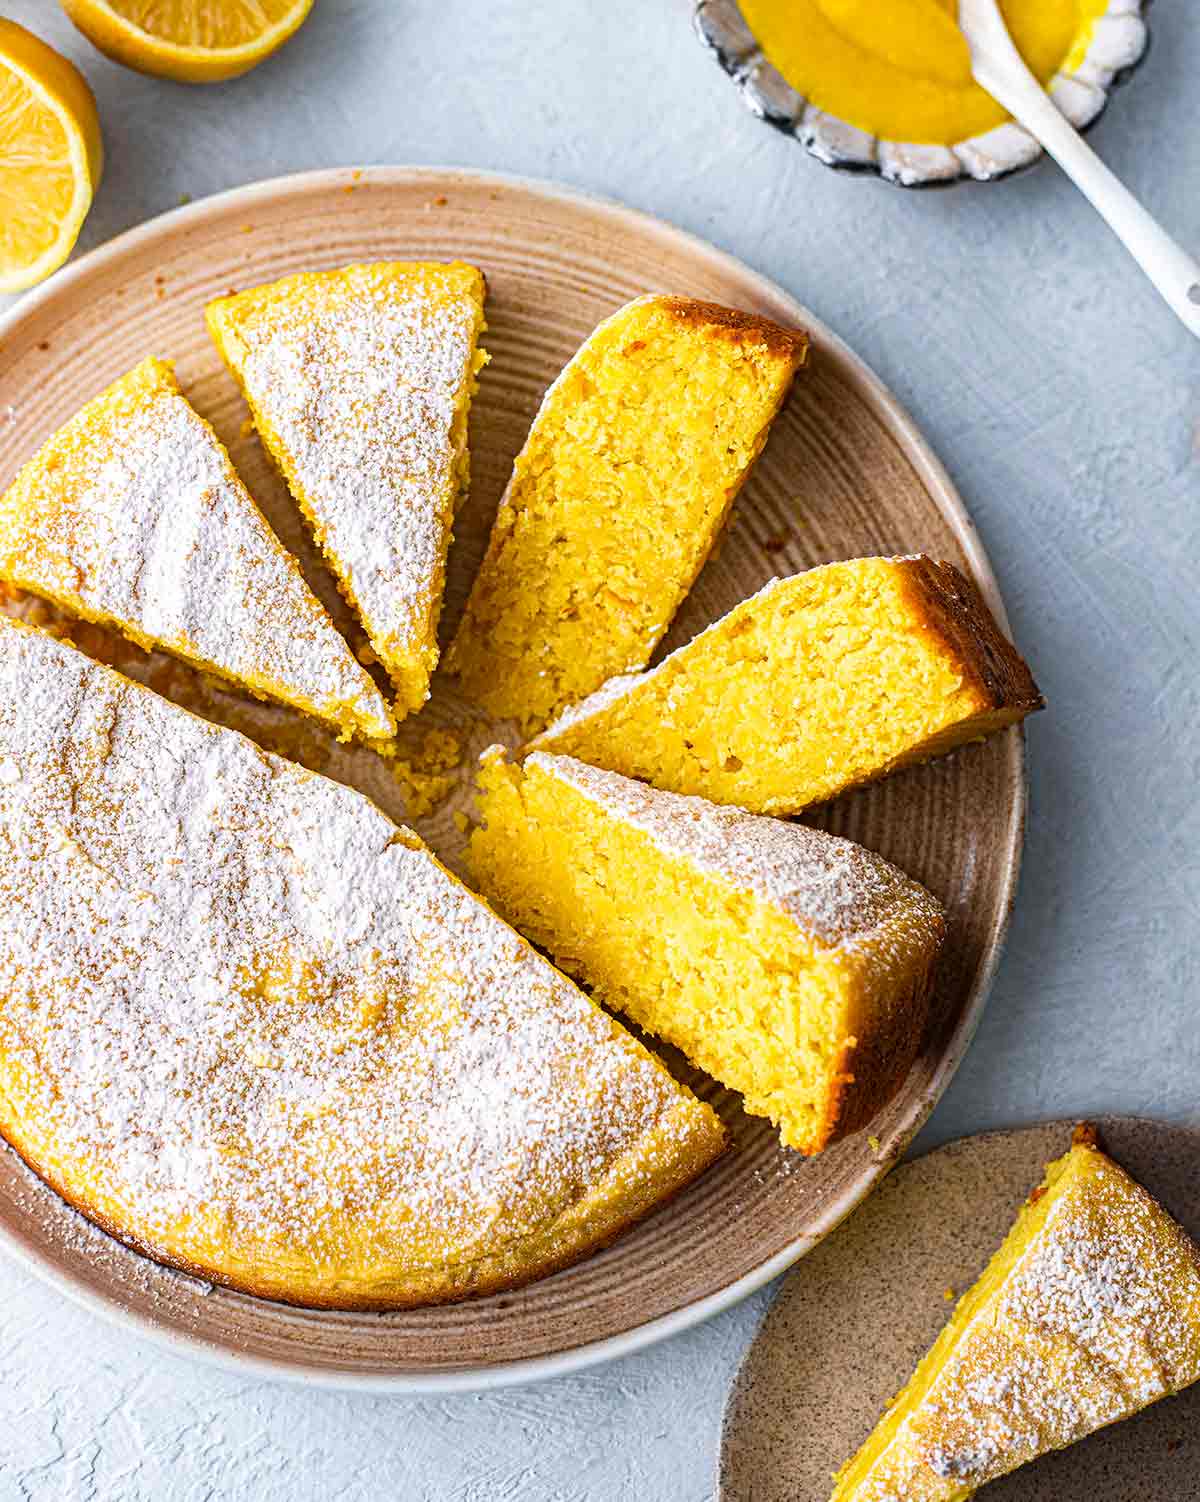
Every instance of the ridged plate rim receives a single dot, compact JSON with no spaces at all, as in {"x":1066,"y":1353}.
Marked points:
{"x":929,"y":469}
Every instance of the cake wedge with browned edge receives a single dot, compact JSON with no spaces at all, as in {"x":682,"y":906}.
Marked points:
{"x":257,"y":1031}
{"x":1088,"y":1313}
{"x":132,"y":516}
{"x":359,"y":382}
{"x":816,"y":684}
{"x":793,"y":966}
{"x":616,"y":500}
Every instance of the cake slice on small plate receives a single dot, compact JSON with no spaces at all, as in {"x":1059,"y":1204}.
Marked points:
{"x":359,"y":382}
{"x":816,"y":684}
{"x":793,"y":966}
{"x":132,"y":516}
{"x":259,"y":1032}
{"x":616,"y":500}
{"x":1089,"y":1312}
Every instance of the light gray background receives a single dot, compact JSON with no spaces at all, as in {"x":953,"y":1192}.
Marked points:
{"x":1065,"y":401}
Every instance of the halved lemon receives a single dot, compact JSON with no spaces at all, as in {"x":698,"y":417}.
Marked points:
{"x":50,"y":157}
{"x":191,"y":41}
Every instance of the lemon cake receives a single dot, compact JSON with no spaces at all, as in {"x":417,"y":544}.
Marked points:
{"x":1089,"y":1312}
{"x":132,"y":516}
{"x":615,"y":500}
{"x":792,"y":966}
{"x":257,"y":1031}
{"x":816,"y":684}
{"x":359,"y":383}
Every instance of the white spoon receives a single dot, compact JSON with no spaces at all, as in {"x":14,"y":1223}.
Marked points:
{"x":1000,"y":69}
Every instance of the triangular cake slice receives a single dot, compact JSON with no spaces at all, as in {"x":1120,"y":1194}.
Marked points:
{"x":816,"y":684}
{"x":793,"y":966}
{"x":258,"y":1031}
{"x":1089,"y":1312}
{"x":133,"y":516}
{"x":359,"y":382}
{"x":616,"y":499}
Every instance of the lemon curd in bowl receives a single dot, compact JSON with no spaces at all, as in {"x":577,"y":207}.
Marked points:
{"x":901,"y":68}
{"x":886,"y":85}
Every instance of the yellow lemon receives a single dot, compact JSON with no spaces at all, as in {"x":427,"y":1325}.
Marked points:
{"x":192,"y":41}
{"x":50,"y":157}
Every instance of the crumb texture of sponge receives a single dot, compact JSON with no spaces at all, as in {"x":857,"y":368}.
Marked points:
{"x":616,"y":500}
{"x":359,"y":382}
{"x":1089,"y":1312}
{"x":818,"y":683}
{"x":792,"y":966}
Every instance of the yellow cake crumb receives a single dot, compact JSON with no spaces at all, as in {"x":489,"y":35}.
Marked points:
{"x":793,"y":966}
{"x":816,"y":684}
{"x":616,"y":499}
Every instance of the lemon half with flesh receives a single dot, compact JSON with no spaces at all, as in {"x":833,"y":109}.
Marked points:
{"x":50,"y":157}
{"x":191,"y":41}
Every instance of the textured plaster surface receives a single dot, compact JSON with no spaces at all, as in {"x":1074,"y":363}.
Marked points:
{"x":1065,"y":402}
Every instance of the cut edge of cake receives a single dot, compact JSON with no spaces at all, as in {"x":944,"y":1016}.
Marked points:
{"x":997,"y":690}
{"x":469,"y":653}
{"x":851,"y":910}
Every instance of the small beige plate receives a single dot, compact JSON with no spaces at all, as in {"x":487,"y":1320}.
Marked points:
{"x":845,"y":473}
{"x":857,"y":1315}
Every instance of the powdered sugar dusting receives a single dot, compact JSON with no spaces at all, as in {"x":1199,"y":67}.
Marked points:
{"x":242,"y":1008}
{"x":147,"y":523}
{"x":359,"y":389}
{"x":834,"y":889}
{"x":1100,"y":1317}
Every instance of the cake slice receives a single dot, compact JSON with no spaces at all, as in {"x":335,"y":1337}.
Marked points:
{"x":359,"y":382}
{"x":624,"y":482}
{"x":793,"y":966}
{"x":256,"y":1030}
{"x":816,"y":684}
{"x":1089,"y":1312}
{"x":132,"y":516}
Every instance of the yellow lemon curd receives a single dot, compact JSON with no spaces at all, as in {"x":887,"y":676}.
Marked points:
{"x":900,"y":68}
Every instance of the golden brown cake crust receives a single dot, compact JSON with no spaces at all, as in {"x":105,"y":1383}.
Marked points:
{"x":956,"y":614}
{"x":876,"y":1067}
{"x":507,"y":1270}
{"x":739,"y":327}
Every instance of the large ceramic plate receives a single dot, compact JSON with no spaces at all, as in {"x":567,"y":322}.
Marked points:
{"x":845,"y":473}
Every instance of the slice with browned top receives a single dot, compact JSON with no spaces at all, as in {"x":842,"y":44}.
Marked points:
{"x":816,"y":684}
{"x":616,"y":499}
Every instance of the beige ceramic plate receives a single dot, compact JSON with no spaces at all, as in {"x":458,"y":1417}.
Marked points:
{"x":845,"y":473}
{"x":855,"y":1318}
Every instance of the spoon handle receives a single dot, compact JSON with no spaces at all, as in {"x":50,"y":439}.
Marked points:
{"x":999,"y":67}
